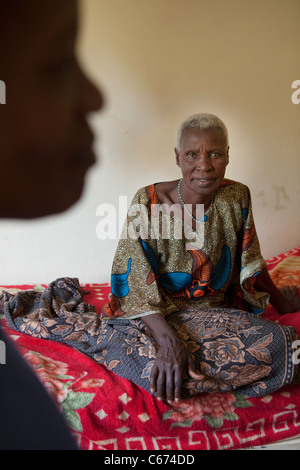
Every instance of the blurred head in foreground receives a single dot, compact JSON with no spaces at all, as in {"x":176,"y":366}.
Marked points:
{"x":46,"y":144}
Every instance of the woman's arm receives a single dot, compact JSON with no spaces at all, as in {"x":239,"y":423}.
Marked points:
{"x":285,"y":300}
{"x":173,"y":361}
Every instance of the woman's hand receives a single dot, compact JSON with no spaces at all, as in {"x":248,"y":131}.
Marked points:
{"x":284,"y":300}
{"x":173,"y":361}
{"x":291,"y":294}
{"x":172,"y":364}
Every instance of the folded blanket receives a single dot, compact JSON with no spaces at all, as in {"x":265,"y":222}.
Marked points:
{"x":58,"y":313}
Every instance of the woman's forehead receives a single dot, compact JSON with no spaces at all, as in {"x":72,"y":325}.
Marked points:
{"x":195,"y":137}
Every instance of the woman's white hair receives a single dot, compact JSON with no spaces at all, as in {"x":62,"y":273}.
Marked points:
{"x":202,"y":121}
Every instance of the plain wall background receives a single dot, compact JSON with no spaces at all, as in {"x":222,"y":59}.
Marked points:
{"x":158,"y":62}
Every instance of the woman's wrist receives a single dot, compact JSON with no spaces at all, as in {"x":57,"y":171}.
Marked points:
{"x":167,"y":340}
{"x":163,"y":333}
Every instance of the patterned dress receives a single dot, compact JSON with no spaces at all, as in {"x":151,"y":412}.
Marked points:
{"x":204,"y":287}
{"x":161,"y":274}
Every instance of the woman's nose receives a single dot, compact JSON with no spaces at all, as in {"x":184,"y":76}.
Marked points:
{"x":203,"y":162}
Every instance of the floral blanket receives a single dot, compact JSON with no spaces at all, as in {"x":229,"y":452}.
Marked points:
{"x":106,"y":412}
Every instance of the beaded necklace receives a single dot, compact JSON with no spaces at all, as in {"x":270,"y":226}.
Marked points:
{"x":187,"y":209}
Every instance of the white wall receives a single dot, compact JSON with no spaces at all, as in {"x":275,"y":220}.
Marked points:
{"x":159,"y":61}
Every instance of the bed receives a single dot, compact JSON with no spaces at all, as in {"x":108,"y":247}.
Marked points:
{"x":105,"y":412}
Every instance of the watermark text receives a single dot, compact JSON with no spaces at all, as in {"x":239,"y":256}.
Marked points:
{"x":2,"y":92}
{"x":2,"y":353}
{"x":296,"y":353}
{"x":161,"y":222}
{"x":296,"y":94}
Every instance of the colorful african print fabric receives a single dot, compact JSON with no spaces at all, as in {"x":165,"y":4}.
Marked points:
{"x":160,"y":269}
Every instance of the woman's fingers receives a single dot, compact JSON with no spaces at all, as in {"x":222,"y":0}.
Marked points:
{"x":286,"y":291}
{"x":166,"y":386}
{"x":166,"y":379}
{"x":174,"y":386}
{"x":166,"y":383}
{"x":161,"y":385}
{"x":170,"y":386}
{"x":194,"y":373}
{"x":178,"y":387}
{"x":153,"y":379}
{"x":158,"y":382}
{"x":291,"y":294}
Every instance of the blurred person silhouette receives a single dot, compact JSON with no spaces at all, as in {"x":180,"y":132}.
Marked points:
{"x":46,"y":149}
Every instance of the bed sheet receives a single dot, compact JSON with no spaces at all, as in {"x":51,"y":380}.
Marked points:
{"x":105,"y":412}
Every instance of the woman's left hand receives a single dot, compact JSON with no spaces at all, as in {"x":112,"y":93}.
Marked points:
{"x":291,"y":294}
{"x":284,"y":299}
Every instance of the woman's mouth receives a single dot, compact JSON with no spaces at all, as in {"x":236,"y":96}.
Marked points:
{"x":204,"y":181}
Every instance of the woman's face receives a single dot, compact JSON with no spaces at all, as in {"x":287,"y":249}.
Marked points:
{"x":203,"y":158}
{"x":46,"y":144}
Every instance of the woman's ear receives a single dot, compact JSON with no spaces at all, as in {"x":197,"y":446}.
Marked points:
{"x":177,"y":153}
{"x":228,"y":155}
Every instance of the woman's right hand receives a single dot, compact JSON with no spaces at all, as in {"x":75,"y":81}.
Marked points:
{"x":172,"y":364}
{"x":173,"y":361}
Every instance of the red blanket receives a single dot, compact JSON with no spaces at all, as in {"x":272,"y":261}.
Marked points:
{"x":106,"y":412}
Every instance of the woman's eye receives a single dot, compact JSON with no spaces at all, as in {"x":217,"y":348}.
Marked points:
{"x":191,"y":155}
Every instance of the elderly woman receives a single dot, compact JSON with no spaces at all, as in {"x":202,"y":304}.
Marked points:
{"x":182,"y":316}
{"x":187,"y":287}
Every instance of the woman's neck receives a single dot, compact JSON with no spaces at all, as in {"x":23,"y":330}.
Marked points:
{"x":192,"y":198}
